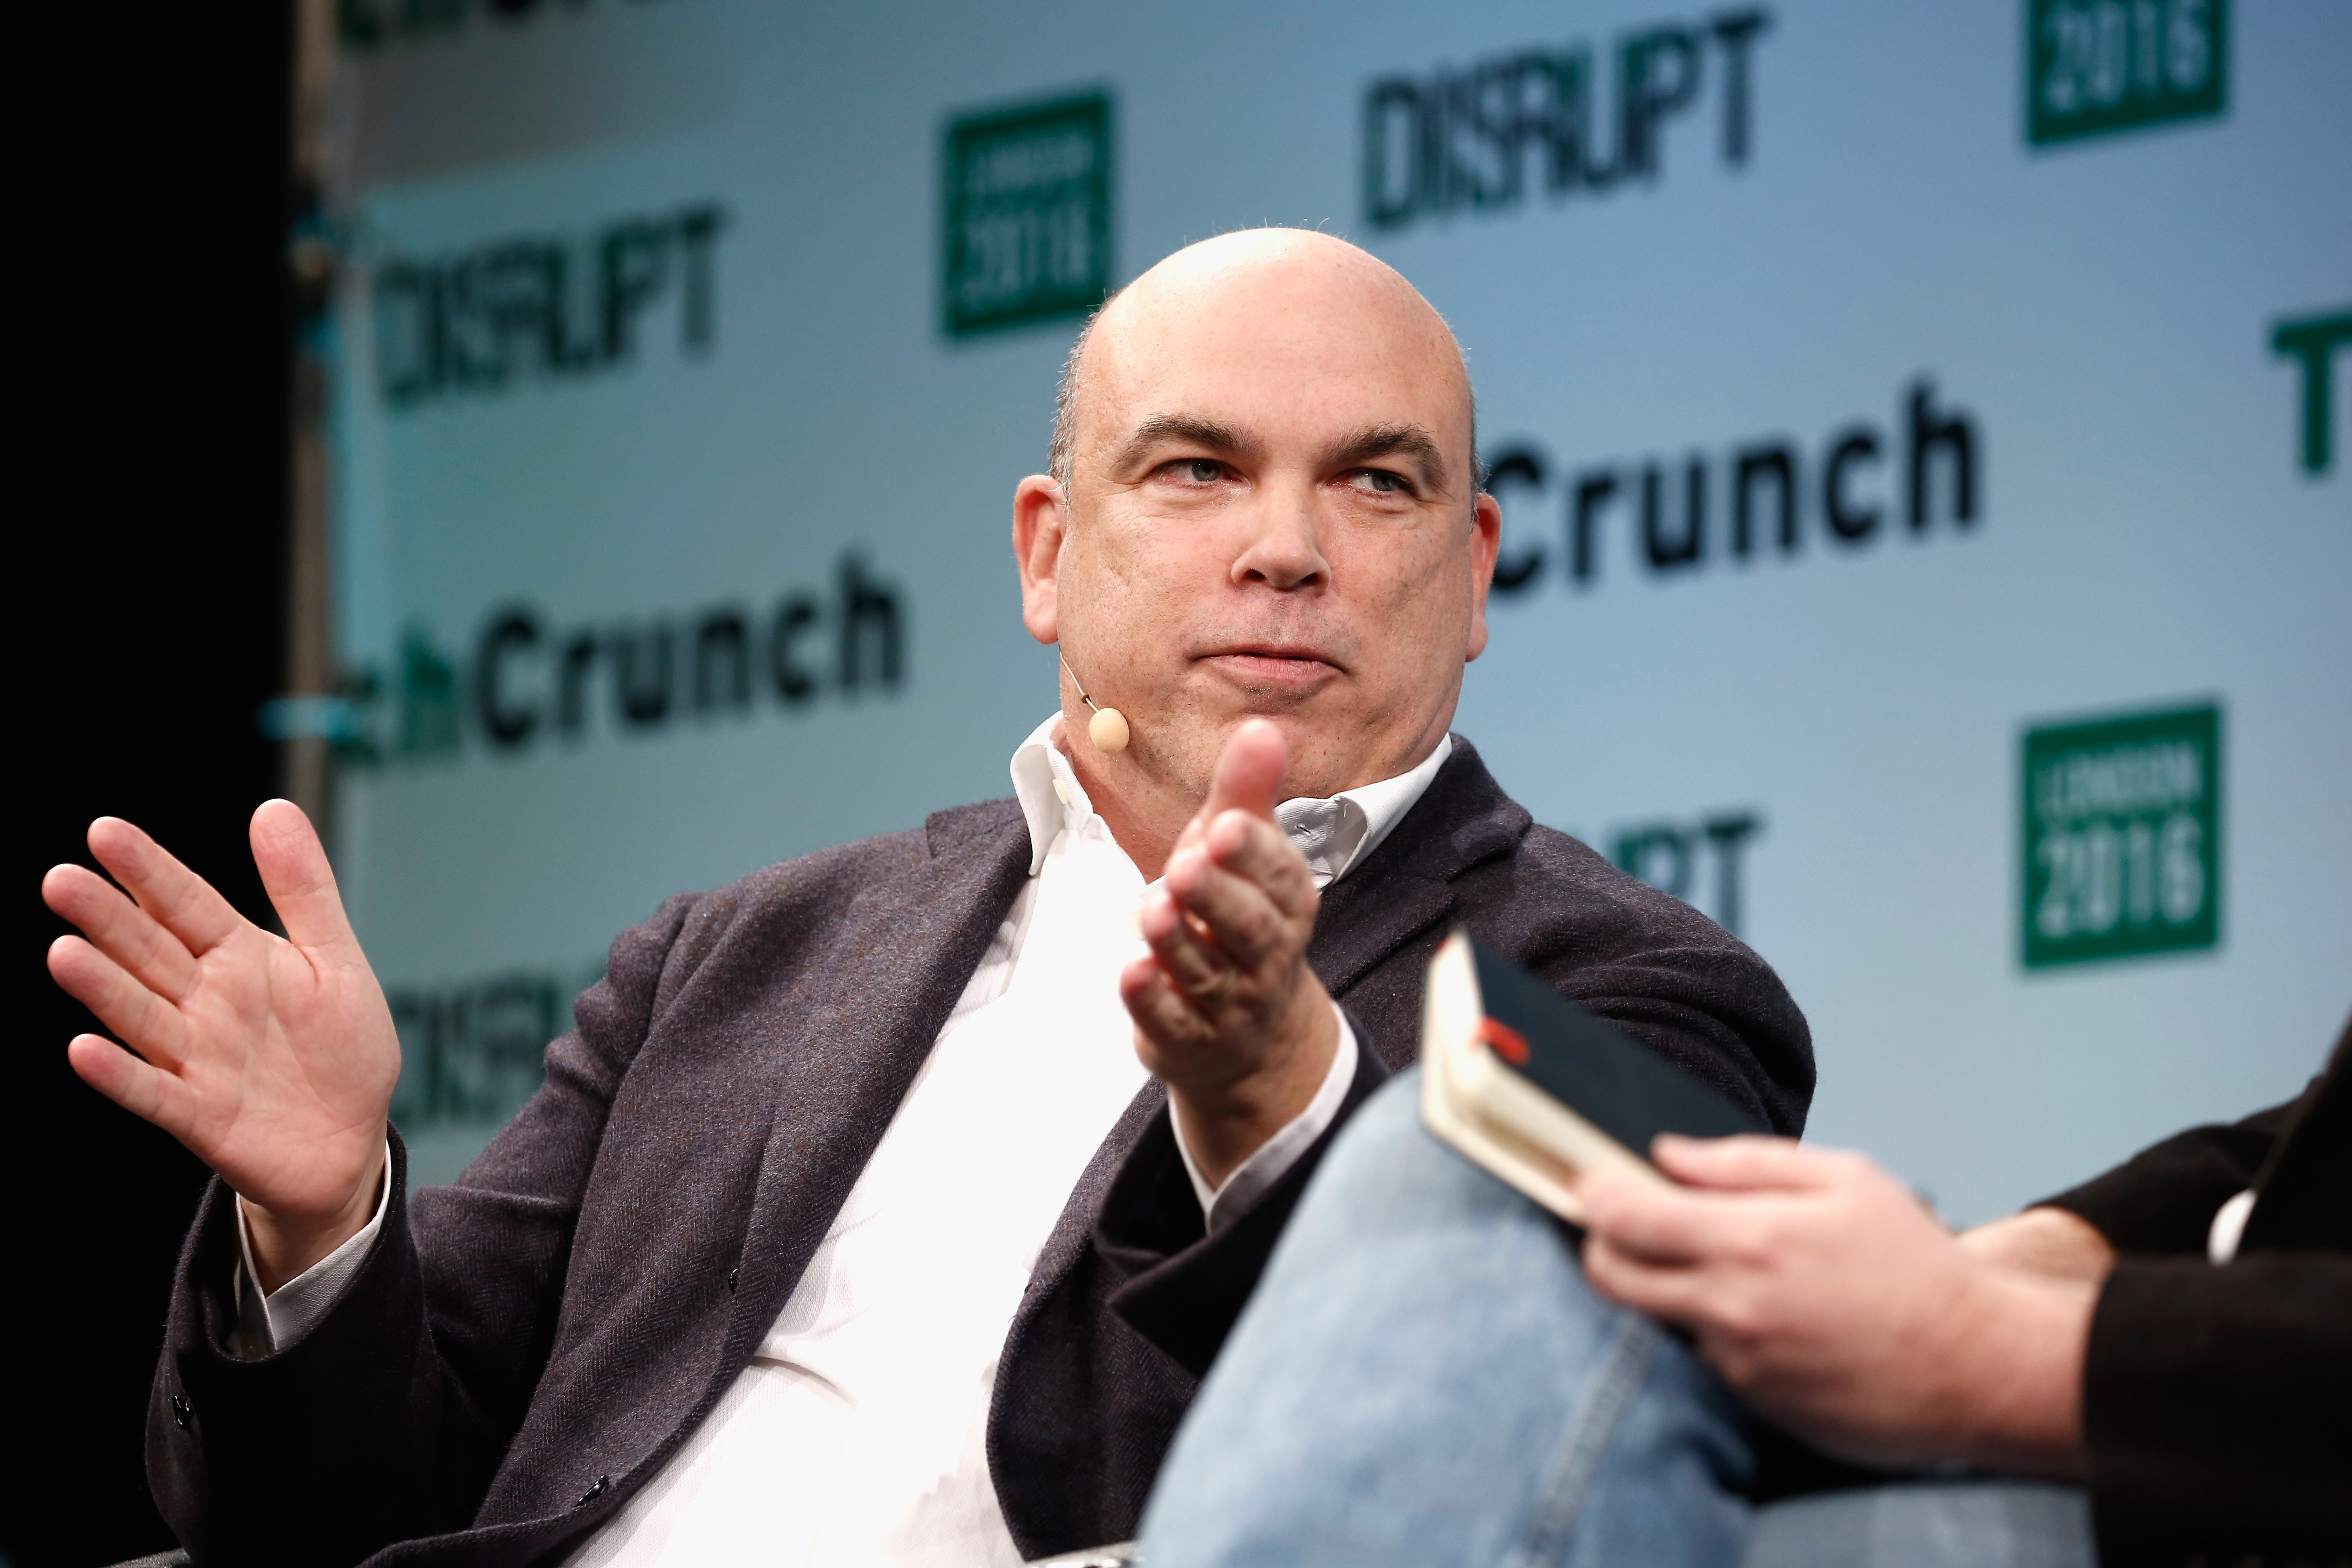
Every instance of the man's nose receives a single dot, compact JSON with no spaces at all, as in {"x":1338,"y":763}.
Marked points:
{"x":1285,"y":551}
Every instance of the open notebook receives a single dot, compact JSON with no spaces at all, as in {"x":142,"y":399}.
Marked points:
{"x":1541,"y":1092}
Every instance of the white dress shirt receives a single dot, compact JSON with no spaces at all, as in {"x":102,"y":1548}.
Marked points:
{"x":857,"y":1434}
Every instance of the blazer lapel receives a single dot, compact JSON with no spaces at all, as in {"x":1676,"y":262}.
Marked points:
{"x":1073,"y":1231}
{"x":901,"y":958}
{"x":1462,"y":819}
{"x":736,"y":1136}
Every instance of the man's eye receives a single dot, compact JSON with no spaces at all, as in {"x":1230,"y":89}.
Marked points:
{"x":1200,"y":470}
{"x":1380,"y":481}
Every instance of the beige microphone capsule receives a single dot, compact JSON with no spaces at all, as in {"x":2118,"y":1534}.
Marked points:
{"x":1107,"y":728}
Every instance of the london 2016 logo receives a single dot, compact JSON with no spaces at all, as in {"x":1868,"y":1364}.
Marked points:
{"x":1025,"y":214}
{"x":2093,"y":67}
{"x":2122,"y":836}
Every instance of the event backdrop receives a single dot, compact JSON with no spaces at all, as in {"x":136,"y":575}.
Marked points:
{"x":1921,"y":433}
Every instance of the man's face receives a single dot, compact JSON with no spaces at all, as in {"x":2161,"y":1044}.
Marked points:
{"x":1273,"y":514}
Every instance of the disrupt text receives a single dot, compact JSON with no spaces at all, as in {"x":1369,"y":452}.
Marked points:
{"x":543,"y":306}
{"x":1466,"y":138}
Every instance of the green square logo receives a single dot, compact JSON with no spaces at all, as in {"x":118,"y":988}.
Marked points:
{"x":2122,"y":836}
{"x":1026,"y":213}
{"x":2098,"y":66}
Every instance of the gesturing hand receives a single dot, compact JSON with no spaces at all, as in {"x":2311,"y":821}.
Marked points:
{"x":1227,"y":1014}
{"x":1829,"y":1296}
{"x":272,"y":1058}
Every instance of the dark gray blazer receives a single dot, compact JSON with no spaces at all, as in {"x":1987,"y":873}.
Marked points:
{"x":520,"y":1351}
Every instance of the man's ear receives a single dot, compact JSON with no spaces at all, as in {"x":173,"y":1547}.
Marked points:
{"x":1486,"y":540}
{"x":1041,"y":517}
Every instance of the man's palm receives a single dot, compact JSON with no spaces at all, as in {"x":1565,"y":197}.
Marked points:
{"x":272,"y":1058}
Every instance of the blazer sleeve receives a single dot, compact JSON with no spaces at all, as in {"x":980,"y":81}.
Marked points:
{"x":1670,"y":978}
{"x":386,"y":1419}
{"x":2161,"y":1200}
{"x":2213,"y":1409}
{"x":1178,"y":1286}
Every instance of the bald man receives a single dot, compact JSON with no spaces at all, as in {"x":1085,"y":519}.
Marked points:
{"x":887,"y":1205}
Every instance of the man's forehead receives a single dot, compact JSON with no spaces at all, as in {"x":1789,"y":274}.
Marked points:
{"x":1274,"y":313}
{"x":1292,"y":333}
{"x":1345,"y":365}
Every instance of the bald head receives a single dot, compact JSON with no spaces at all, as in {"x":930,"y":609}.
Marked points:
{"x":1264,"y":504}
{"x":1244,"y":281}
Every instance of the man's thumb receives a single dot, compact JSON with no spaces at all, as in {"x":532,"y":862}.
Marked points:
{"x":1249,"y":771}
{"x":295,"y":873}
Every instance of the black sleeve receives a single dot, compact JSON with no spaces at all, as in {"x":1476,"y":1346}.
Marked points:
{"x":2214,"y":1409}
{"x":351,"y":1435}
{"x":1179,"y":1286}
{"x":387,"y":1419}
{"x":2162,"y":1199}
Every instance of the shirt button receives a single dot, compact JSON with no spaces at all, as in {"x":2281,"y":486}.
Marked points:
{"x":182,"y":1413}
{"x":596,"y":1491}
{"x":731,"y":1281}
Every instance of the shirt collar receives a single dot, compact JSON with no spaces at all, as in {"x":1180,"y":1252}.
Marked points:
{"x":1048,"y":789}
{"x":1334,"y":835}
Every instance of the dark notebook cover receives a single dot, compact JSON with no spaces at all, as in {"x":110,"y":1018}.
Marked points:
{"x":1622,"y":1089}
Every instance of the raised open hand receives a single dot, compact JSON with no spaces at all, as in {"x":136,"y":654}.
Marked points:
{"x":1226,"y":1011}
{"x":273,"y":1058}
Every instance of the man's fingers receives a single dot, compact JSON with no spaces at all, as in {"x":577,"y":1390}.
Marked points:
{"x":148,"y":1022}
{"x":1661,"y":1224}
{"x":301,"y":885}
{"x":1675,"y":1292}
{"x":1254,"y":848}
{"x":1197,"y":965}
{"x":1249,"y":772}
{"x":1241,"y":917}
{"x":146,"y":1092}
{"x":1159,"y":1011}
{"x":1748,"y":1162}
{"x":121,"y":930}
{"x":183,"y":903}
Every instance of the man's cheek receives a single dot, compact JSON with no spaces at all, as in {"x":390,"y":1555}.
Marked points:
{"x":1152,"y":558}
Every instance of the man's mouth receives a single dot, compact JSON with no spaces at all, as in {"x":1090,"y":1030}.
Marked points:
{"x":1278,"y":664}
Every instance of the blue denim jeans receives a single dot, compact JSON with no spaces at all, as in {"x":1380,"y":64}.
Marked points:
{"x":1424,"y":1377}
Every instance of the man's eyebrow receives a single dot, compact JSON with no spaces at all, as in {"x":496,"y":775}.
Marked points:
{"x":1161,"y":429}
{"x":1390,"y":441}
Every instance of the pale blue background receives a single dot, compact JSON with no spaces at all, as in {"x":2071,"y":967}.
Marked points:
{"x":2102,"y":310}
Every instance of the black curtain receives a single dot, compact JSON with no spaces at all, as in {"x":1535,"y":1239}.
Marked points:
{"x":154,"y":318}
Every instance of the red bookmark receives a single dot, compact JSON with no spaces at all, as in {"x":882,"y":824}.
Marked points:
{"x":1507,"y":1042}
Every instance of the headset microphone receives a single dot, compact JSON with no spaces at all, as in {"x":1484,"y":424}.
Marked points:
{"x":1108,"y":727}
